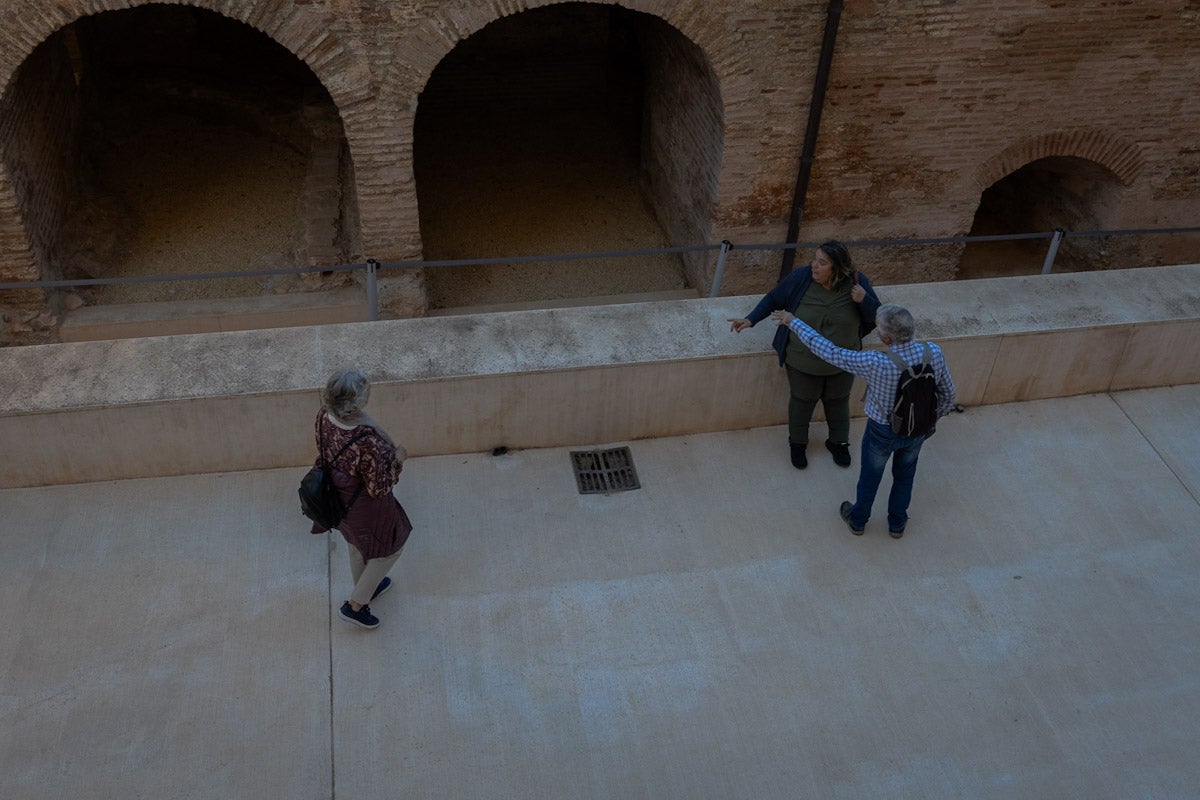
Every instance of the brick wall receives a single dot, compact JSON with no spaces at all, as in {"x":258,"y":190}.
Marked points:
{"x":930,"y":102}
{"x":682,"y":147}
{"x":39,"y":123}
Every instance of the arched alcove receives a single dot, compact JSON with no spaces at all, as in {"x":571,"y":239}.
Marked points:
{"x":1066,"y":192}
{"x":575,"y":127}
{"x":171,"y":140}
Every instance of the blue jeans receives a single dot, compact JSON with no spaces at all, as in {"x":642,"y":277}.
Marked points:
{"x":878,"y":445}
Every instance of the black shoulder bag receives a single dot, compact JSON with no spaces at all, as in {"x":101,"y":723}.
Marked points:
{"x":320,"y":500}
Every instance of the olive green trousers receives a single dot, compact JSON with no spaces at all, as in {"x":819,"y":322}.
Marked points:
{"x":834,"y":393}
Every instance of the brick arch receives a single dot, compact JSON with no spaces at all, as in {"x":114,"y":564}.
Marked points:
{"x":1120,"y":156}
{"x":443,"y":31}
{"x":427,"y":43}
{"x":310,"y":35}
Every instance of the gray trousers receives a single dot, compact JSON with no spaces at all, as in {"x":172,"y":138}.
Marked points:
{"x":368,"y":574}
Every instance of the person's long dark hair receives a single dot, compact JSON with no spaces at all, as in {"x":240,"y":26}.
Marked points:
{"x":843,"y":267}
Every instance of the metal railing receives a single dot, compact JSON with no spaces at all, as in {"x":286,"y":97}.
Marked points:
{"x":371,"y":267}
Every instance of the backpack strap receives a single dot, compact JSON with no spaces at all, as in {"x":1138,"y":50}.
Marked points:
{"x":328,"y":464}
{"x":354,"y":439}
{"x":900,"y":363}
{"x":904,"y":366}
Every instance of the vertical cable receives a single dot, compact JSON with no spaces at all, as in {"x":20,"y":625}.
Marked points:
{"x":833,"y":17}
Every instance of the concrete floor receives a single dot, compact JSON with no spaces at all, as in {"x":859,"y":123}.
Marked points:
{"x":717,"y":633}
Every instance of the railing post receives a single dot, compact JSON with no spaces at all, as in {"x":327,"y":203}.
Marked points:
{"x":372,"y":289}
{"x":719,"y":275}
{"x":1059,"y":233}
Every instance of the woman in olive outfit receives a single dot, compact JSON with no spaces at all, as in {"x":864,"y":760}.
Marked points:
{"x":838,"y":302}
{"x":375,"y":526}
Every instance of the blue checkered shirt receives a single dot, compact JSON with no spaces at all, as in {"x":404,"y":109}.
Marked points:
{"x":881,"y":374}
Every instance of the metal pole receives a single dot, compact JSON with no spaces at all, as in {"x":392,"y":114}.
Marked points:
{"x":1059,"y":233}
{"x":372,"y":289}
{"x":726,"y":246}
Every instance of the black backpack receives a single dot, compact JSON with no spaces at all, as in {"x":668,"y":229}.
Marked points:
{"x":320,"y":500}
{"x":915,"y":411}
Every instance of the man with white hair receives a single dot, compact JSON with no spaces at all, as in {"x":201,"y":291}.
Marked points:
{"x":896,"y":330}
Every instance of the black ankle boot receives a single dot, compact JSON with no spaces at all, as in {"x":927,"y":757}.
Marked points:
{"x":799,"y":457}
{"x":841,"y":452}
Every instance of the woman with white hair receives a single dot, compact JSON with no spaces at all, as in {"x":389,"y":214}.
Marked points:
{"x":365,"y":465}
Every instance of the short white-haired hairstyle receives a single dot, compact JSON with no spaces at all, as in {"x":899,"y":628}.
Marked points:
{"x":345,"y":394}
{"x":896,"y":322}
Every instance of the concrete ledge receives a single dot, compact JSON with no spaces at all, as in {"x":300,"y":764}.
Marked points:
{"x":245,"y":400}
{"x":571,"y":302}
{"x":120,"y":321}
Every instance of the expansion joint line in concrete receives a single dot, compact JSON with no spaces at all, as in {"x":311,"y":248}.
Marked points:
{"x":329,"y":628}
{"x":1157,"y":452}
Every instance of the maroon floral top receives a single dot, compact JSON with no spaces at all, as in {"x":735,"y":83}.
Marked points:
{"x":365,"y":472}
{"x":371,"y":459}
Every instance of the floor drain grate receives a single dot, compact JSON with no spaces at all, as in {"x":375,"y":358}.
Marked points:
{"x":604,"y":471}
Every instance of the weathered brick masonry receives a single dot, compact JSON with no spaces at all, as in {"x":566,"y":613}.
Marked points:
{"x":38,"y":127}
{"x":930,"y":103}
